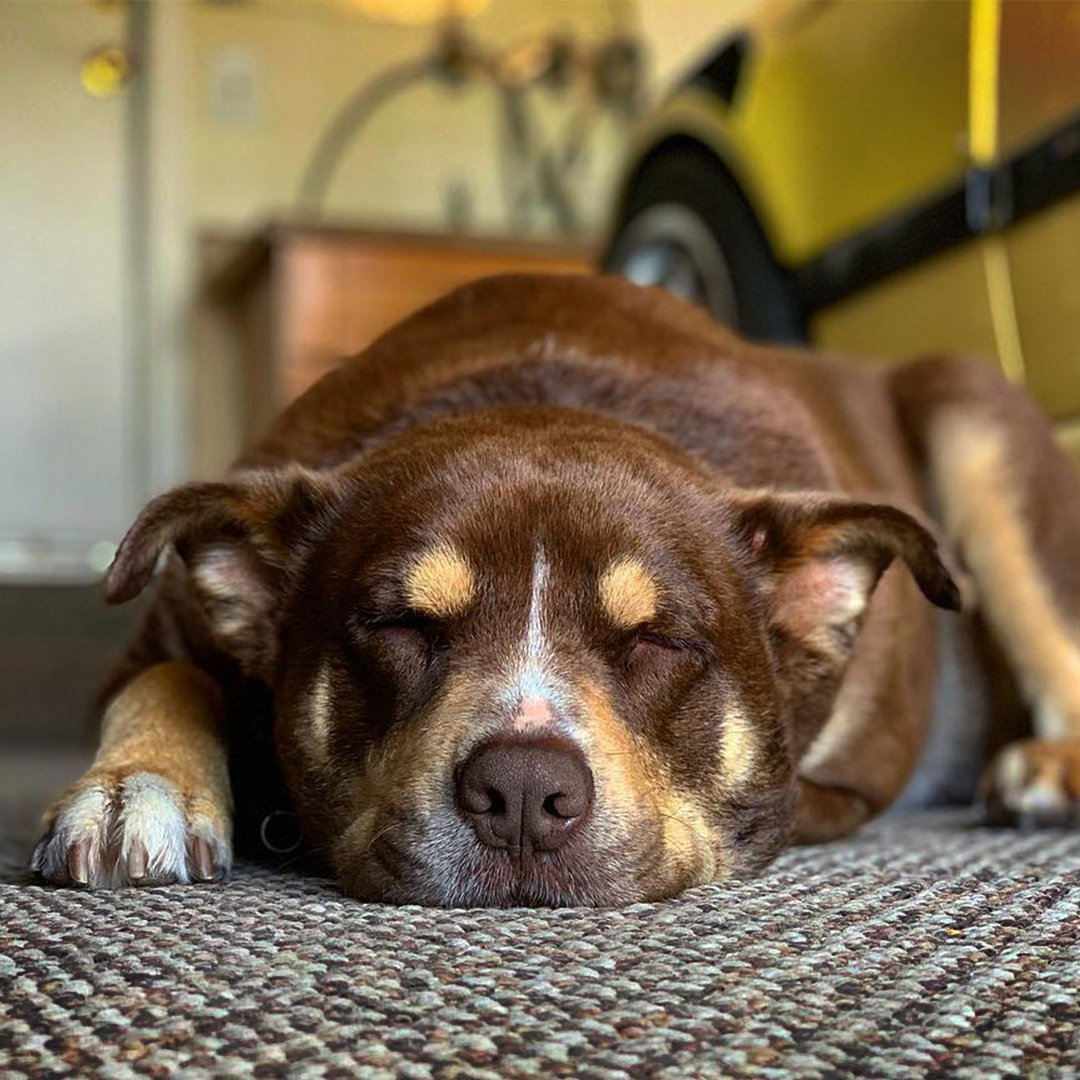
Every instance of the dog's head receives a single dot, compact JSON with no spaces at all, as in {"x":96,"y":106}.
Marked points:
{"x":534,"y":657}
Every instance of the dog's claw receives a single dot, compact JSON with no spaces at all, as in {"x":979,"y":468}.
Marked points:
{"x":78,"y":862}
{"x":137,"y":863}
{"x":202,"y":857}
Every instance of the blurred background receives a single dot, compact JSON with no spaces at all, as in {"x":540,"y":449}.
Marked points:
{"x":205,"y":203}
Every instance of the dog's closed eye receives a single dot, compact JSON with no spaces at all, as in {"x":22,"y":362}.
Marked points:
{"x":406,"y":621}
{"x":649,"y":644}
{"x":406,"y":633}
{"x":645,"y":638}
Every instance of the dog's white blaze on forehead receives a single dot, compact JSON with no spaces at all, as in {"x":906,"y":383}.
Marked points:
{"x":536,"y":646}
{"x":532,"y":678}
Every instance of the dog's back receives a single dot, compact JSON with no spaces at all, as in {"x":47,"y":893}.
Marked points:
{"x":767,"y":417}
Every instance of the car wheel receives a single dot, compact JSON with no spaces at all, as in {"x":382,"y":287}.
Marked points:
{"x":685,"y":226}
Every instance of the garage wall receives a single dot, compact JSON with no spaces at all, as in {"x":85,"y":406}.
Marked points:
{"x":66,"y":479}
{"x":269,"y":76}
{"x":680,"y":32}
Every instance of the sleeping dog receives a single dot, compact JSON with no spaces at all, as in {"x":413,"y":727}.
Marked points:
{"x":561,"y":593}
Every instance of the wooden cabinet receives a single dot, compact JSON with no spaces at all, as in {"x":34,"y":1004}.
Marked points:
{"x":279,"y":309}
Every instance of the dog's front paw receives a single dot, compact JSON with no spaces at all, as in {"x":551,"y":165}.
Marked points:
{"x":1034,"y":783}
{"x":133,"y":830}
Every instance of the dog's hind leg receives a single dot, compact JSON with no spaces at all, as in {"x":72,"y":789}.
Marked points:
{"x":1009,"y":502}
{"x":155,"y":806}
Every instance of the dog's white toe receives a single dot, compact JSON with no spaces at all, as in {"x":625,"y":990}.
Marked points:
{"x":133,"y":831}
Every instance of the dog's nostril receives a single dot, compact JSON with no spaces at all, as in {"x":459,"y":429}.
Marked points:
{"x":481,"y":800}
{"x":525,"y":795}
{"x":563,"y":805}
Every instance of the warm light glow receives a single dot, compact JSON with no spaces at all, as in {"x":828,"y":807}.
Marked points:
{"x":417,"y":12}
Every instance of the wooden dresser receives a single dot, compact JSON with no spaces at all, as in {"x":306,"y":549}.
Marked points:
{"x":279,"y":309}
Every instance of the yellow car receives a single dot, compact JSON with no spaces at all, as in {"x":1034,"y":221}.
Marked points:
{"x":880,"y":178}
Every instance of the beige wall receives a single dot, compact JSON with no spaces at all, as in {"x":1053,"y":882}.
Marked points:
{"x":309,"y":57}
{"x":681,"y":32}
{"x":68,"y":478}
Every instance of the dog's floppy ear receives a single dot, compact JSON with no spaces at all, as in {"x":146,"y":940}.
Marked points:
{"x":818,"y":558}
{"x":240,"y":540}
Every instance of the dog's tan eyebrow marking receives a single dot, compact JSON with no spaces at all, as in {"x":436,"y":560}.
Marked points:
{"x":628,"y":593}
{"x":440,"y":582}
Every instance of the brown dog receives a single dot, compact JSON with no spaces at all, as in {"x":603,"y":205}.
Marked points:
{"x":563,"y":594}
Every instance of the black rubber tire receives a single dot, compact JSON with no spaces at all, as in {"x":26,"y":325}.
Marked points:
{"x":690,"y":176}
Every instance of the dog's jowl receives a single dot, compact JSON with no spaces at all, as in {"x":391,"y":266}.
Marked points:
{"x":563,"y":594}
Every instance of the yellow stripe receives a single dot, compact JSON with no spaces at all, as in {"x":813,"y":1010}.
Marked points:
{"x":1003,"y":308}
{"x":983,"y":80}
{"x":983,"y":145}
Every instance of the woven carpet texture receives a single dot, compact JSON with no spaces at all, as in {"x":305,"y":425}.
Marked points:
{"x":921,"y":948}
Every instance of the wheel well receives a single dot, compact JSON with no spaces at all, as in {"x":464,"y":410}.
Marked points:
{"x":690,"y":146}
{"x":687,"y":169}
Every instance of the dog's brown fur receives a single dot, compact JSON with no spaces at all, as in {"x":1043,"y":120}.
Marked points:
{"x":707,"y":555}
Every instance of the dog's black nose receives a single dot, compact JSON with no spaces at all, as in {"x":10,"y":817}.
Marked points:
{"x":525,"y":795}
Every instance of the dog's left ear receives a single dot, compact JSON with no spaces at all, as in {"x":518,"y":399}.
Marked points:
{"x":817,"y":559}
{"x":241,"y":540}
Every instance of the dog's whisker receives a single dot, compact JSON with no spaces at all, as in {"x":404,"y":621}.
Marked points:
{"x":388,"y":827}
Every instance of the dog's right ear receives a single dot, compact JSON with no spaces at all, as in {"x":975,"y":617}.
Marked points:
{"x":241,"y":541}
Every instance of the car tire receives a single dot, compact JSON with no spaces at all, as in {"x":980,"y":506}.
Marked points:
{"x":686,"y":226}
